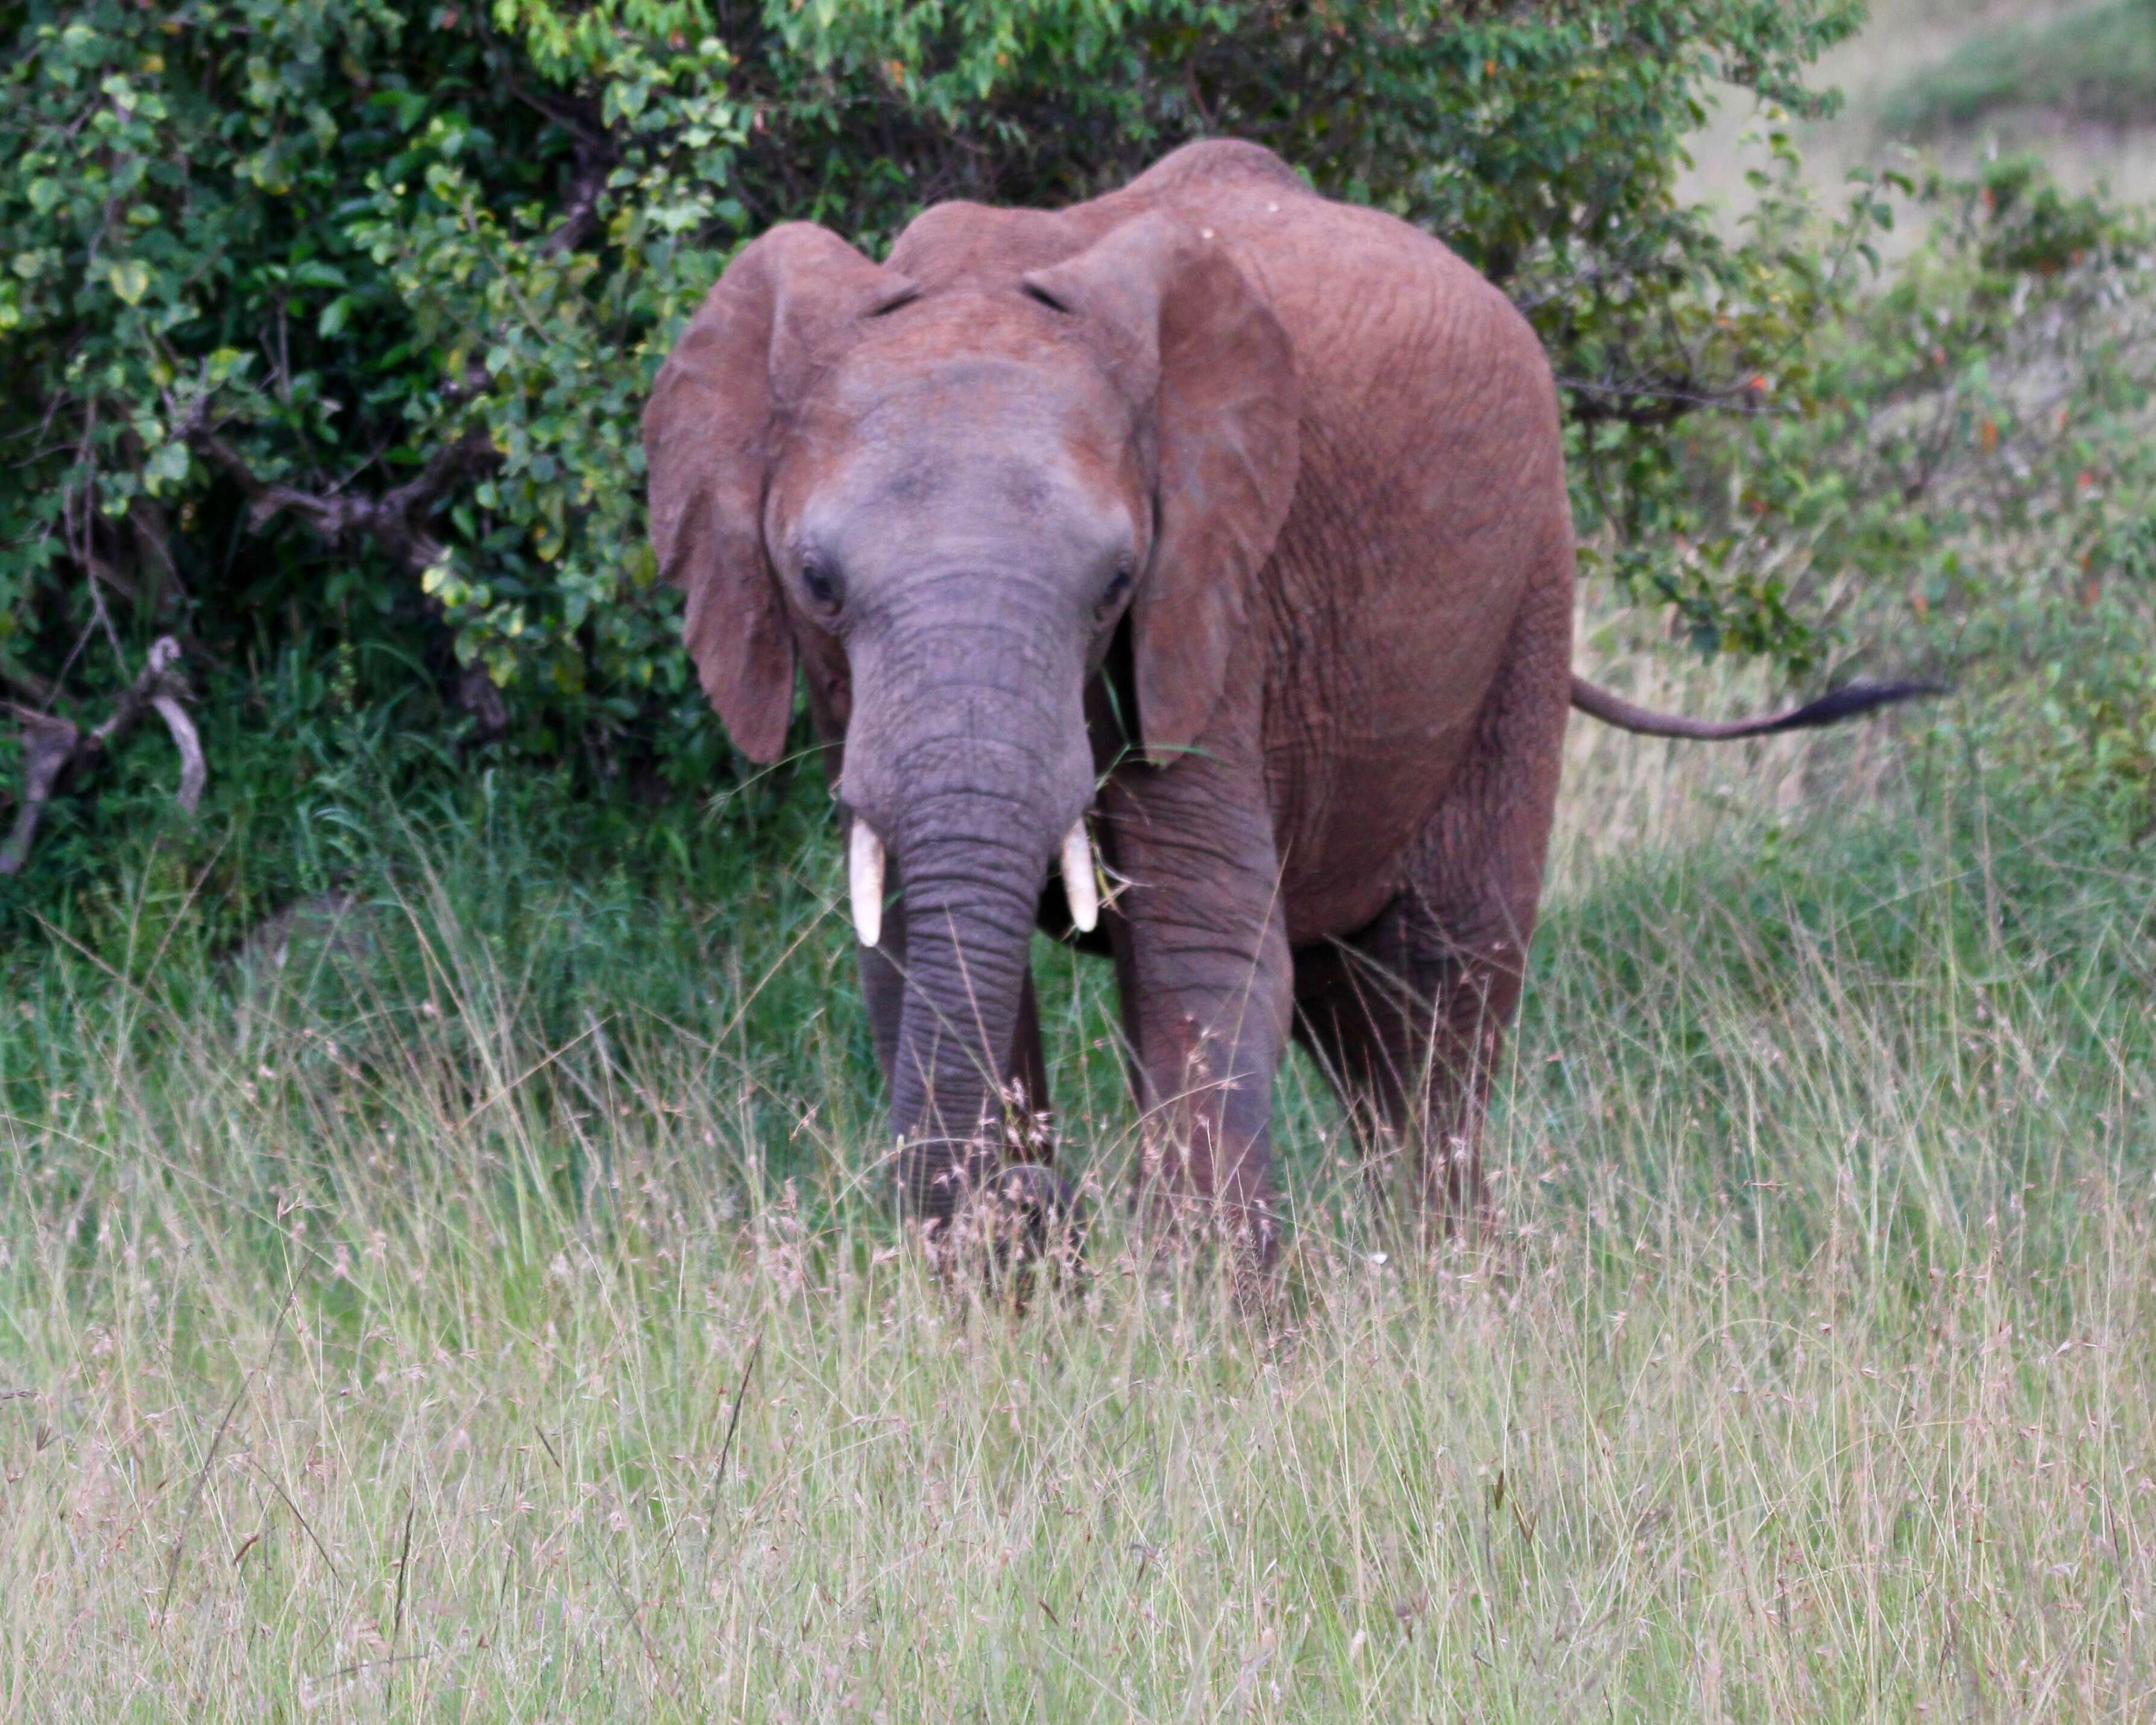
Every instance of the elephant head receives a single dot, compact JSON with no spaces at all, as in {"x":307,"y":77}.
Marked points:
{"x":942,"y":486}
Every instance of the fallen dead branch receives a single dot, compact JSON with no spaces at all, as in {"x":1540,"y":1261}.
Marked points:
{"x":54,"y":748}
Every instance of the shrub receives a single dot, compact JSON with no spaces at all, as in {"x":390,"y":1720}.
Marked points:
{"x":1976,"y":476}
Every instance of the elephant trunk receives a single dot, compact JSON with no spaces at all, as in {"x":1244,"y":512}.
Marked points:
{"x":970,"y":906}
{"x":967,"y":756}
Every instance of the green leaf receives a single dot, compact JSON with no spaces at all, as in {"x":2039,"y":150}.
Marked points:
{"x":130,"y":279}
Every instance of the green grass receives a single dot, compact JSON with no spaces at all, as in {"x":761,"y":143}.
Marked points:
{"x":373,"y":1331}
{"x":2096,"y":65}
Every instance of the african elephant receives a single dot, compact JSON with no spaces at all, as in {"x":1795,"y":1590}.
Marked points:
{"x":1225,"y":518}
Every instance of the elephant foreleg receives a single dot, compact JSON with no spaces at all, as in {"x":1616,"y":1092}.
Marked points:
{"x":1203,"y":968}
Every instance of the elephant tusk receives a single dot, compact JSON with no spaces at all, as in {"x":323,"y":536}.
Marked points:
{"x":1080,"y":884}
{"x":864,"y":881}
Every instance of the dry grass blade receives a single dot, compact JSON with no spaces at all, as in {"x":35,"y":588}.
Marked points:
{"x":209,"y":1460}
{"x":1807,"y":1334}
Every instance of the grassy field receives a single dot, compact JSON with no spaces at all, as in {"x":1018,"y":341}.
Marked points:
{"x":483,"y":1317}
{"x":1952,"y":81}
{"x":2096,"y":64}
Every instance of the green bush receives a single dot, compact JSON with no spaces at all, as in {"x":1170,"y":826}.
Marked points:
{"x":325,"y":326}
{"x":1975,"y":480}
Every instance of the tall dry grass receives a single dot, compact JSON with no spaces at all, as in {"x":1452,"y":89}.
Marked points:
{"x":491,"y":1313}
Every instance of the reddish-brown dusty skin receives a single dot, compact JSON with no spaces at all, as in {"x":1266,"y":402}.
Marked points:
{"x":1233,"y":515}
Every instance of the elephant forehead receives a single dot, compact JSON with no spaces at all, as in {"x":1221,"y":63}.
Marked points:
{"x":907,"y":424}
{"x":976,"y":490}
{"x":959,"y":241}
{"x":973,"y":395}
{"x":994,"y":320}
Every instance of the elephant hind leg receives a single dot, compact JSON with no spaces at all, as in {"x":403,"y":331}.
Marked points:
{"x":1353,"y":1015}
{"x":1407,"y":1019}
{"x":1408,"y":1015}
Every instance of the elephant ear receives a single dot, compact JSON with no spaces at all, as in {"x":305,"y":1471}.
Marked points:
{"x":1199,"y":337}
{"x":707,"y":441}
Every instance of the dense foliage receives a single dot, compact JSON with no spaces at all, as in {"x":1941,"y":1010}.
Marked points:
{"x":324,"y":326}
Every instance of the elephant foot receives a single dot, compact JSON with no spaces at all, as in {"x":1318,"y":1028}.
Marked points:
{"x":1023,"y":1223}
{"x":1183,"y":1223}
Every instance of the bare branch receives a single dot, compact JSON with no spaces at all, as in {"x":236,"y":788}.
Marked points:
{"x":1658,"y":401}
{"x":596,"y":153}
{"x":153,"y":531}
{"x":40,"y":693}
{"x":396,"y":521}
{"x":595,"y":159}
{"x":48,"y":750}
{"x":478,"y":694}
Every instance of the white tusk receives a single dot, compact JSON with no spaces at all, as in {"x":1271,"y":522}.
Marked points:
{"x":864,"y":881}
{"x":1080,"y":885}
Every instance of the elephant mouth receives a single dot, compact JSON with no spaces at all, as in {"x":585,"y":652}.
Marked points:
{"x":867,"y":861}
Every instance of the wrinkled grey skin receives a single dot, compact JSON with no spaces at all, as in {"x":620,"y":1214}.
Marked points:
{"x":1233,"y":515}
{"x":972,"y":572}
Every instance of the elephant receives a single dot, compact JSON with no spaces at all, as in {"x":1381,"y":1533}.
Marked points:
{"x":1187,"y":572}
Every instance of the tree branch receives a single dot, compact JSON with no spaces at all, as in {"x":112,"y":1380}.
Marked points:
{"x":41,"y":693}
{"x":194,"y":770}
{"x":1660,"y":402}
{"x":53,"y":747}
{"x":395,"y":521}
{"x":48,"y":750}
{"x":595,"y":158}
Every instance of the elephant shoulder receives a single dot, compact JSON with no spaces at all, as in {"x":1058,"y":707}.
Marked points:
{"x":1289,"y":236}
{"x":1404,"y":300}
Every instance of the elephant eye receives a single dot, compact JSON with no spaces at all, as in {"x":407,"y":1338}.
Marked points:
{"x":1119,"y":584}
{"x":822,"y":585}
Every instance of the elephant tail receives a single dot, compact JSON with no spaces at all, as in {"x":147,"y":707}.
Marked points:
{"x":1846,"y":702}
